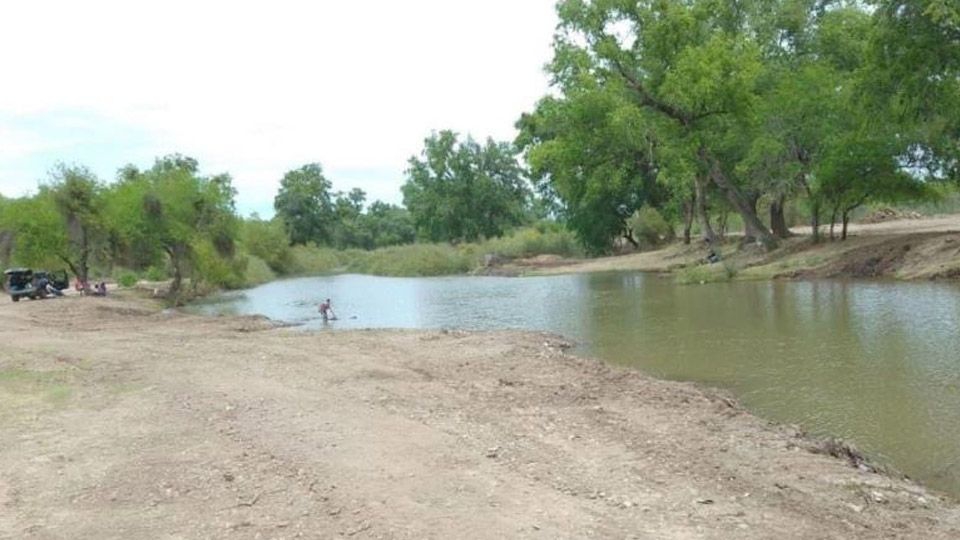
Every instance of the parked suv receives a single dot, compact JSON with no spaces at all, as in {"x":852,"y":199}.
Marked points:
{"x":20,"y":283}
{"x":25,"y":283}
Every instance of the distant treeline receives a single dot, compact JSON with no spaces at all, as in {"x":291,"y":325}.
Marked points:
{"x":171,"y":222}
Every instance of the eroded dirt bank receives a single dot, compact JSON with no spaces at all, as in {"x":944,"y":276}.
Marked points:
{"x":916,"y":249}
{"x":121,"y":422}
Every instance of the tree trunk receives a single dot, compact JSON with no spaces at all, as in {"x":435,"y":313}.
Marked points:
{"x":833,"y":220}
{"x":748,"y":213}
{"x":73,"y":268}
{"x":778,"y":221}
{"x":750,"y":232}
{"x":815,"y":220}
{"x":84,"y":256}
{"x":688,"y":214}
{"x":700,"y":207}
{"x":176,"y":260}
{"x":814,"y":207}
{"x":846,"y":214}
{"x":815,"y":225}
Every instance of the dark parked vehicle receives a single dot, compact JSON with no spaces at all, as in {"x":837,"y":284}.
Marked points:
{"x":25,"y":283}
{"x":20,"y":283}
{"x":58,"y":279}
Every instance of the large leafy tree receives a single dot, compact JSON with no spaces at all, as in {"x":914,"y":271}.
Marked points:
{"x":913,"y":75}
{"x":305,"y":206}
{"x":172,"y":209}
{"x":813,"y":57}
{"x":32,"y":233}
{"x":348,"y":231}
{"x":387,"y":225}
{"x":78,"y":197}
{"x":593,"y":150}
{"x":464,"y":191}
{"x":691,"y":67}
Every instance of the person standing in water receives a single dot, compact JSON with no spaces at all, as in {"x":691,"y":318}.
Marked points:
{"x":326,"y":311}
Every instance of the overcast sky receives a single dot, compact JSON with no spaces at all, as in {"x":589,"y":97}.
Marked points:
{"x":259,"y":88}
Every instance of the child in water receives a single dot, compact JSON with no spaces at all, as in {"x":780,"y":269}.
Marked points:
{"x":326,"y":311}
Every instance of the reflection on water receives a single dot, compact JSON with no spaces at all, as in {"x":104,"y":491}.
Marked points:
{"x":875,"y":363}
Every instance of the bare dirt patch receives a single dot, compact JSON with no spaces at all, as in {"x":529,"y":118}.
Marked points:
{"x":177,"y":426}
{"x":902,"y":248}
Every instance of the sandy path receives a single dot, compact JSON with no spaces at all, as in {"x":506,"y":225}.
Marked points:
{"x":120,"y":422}
{"x":950,"y":223}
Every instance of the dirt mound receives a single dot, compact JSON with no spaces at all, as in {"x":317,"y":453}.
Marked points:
{"x":916,"y":256}
{"x":874,"y":261}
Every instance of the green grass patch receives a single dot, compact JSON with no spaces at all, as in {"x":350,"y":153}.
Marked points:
{"x":705,"y":273}
{"x":20,"y":387}
{"x":781,"y":267}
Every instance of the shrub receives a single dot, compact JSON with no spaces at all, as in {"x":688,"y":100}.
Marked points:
{"x":268,"y":241}
{"x":417,"y":260}
{"x":649,"y":227}
{"x":211,"y":268}
{"x":257,"y":272}
{"x":127,"y":279}
{"x":156,"y":273}
{"x":531,"y":242}
{"x":706,"y":273}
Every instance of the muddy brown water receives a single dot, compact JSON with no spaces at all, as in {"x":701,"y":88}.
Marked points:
{"x":875,"y":363}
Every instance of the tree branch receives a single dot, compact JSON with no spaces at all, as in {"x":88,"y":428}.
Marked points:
{"x":649,"y":100}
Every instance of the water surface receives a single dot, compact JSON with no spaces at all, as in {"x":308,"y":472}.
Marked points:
{"x":876,"y":363}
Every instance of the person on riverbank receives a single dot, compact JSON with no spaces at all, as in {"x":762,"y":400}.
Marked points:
{"x":326,"y":311}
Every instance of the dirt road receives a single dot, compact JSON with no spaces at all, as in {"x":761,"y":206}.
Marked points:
{"x":118,"y":421}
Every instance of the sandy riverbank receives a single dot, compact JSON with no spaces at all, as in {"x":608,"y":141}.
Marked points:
{"x":119,"y":421}
{"x":905,"y":249}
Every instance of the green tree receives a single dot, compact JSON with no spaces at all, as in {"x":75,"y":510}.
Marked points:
{"x":304,"y":205}
{"x":913,"y":76}
{"x":78,"y":196}
{"x":596,"y":153}
{"x":268,"y":240}
{"x":861,"y":166}
{"x":813,"y":56}
{"x":348,"y":231}
{"x":464,"y":191}
{"x":188,"y":217}
{"x":34,"y":232}
{"x":388,"y":225}
{"x":692,"y":68}
{"x":132,"y":239}
{"x":6,"y":234}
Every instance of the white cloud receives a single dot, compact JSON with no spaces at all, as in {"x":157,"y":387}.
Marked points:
{"x":257,"y":88}
{"x":18,"y":143}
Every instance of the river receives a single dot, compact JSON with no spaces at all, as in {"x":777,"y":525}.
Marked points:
{"x":875,"y":363}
